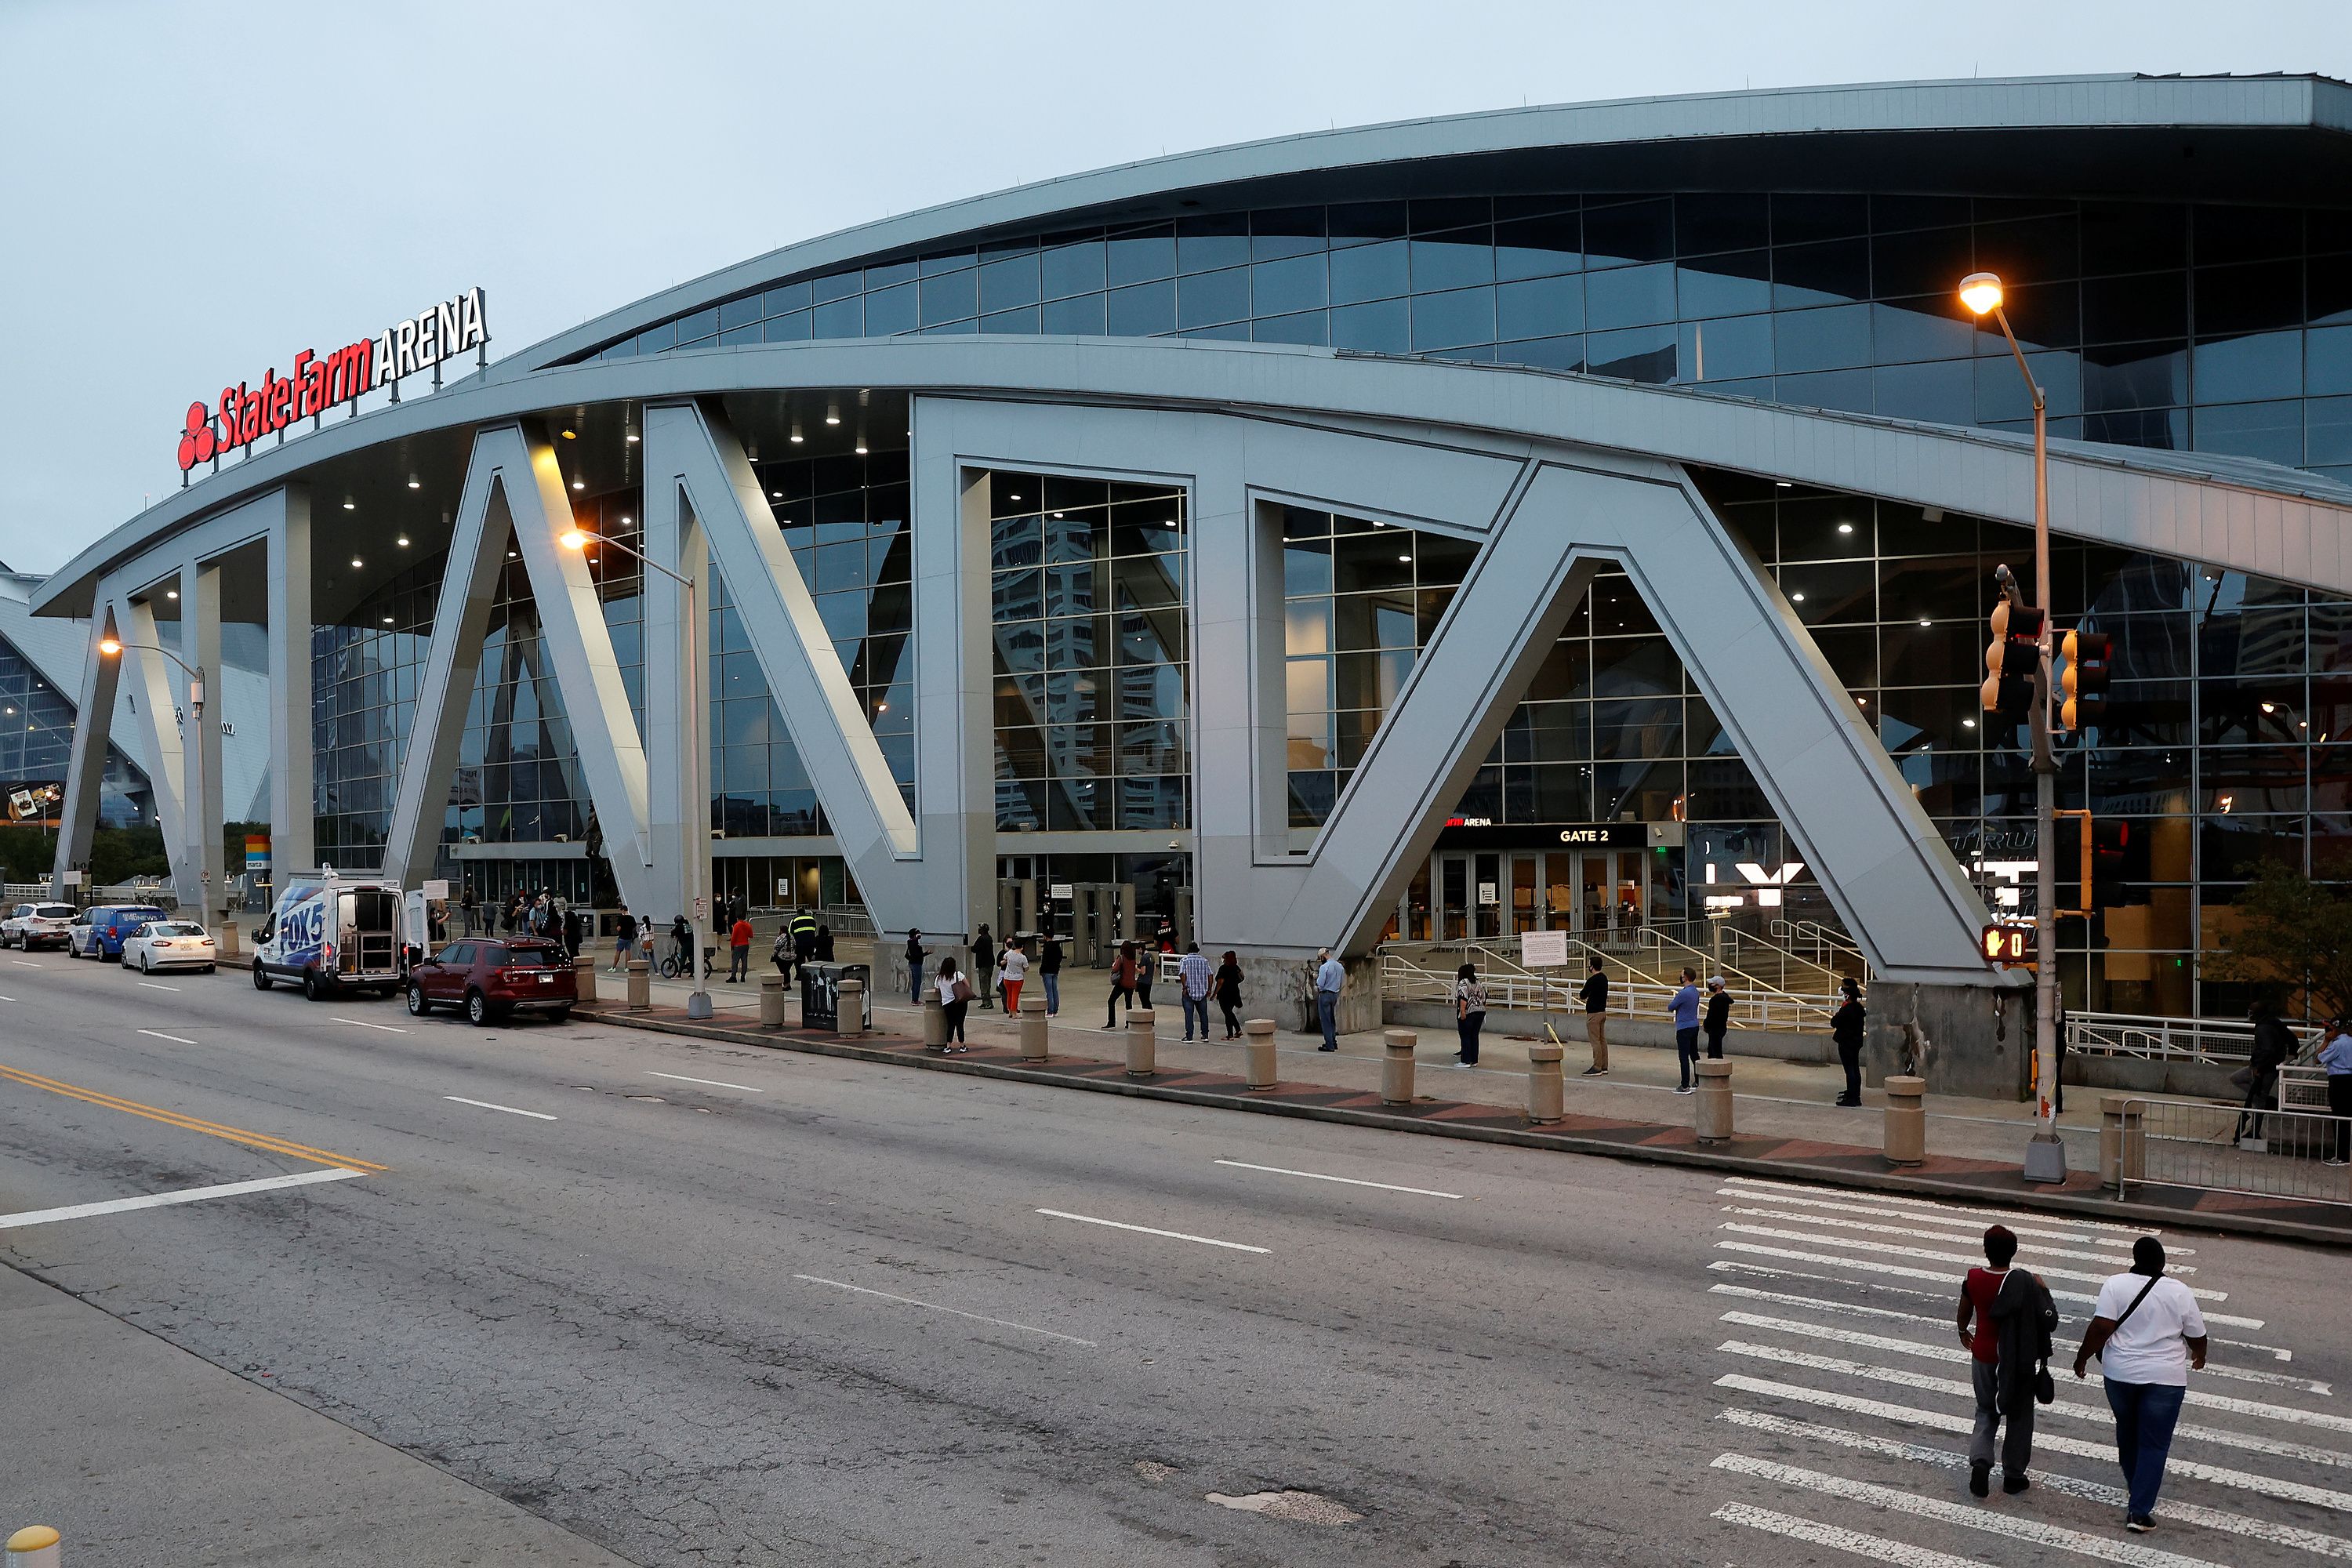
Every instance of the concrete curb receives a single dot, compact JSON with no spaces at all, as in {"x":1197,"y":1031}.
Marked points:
{"x":2154,"y":1215}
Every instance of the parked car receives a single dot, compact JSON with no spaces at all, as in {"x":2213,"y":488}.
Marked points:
{"x":29,"y":926}
{"x":492,"y":980}
{"x":169,"y":945}
{"x":101,"y":931}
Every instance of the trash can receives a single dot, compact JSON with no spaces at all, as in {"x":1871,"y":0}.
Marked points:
{"x":821,"y":994}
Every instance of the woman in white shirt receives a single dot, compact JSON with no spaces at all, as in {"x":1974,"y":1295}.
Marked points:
{"x":1012,"y":969}
{"x":2148,"y":1334}
{"x":955,"y":999}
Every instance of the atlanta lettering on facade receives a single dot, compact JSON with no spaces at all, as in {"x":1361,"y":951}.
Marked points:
{"x":319,"y":381}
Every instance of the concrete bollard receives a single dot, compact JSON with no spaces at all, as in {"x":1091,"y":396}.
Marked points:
{"x":583,"y":979}
{"x":2122,"y":1141}
{"x":935,"y":1024}
{"x":1907,"y":1120}
{"x":1714,"y":1110}
{"x":34,"y":1546}
{"x":1547,"y":1091}
{"x":641,"y":985}
{"x":1142,"y":1043}
{"x":224,"y":940}
{"x":1396,"y":1066}
{"x":1032,"y":1023}
{"x":771,"y":1001}
{"x":850,"y":1007}
{"x":1257,"y":1053}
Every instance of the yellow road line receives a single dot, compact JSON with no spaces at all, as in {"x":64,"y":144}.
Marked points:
{"x":270,"y":1142}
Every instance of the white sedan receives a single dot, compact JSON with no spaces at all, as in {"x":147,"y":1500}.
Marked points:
{"x":169,"y":945}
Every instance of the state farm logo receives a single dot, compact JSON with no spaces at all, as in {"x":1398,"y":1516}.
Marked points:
{"x":197,"y":444}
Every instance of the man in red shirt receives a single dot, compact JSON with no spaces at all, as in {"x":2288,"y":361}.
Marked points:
{"x":739,"y":940}
{"x":1978,"y":1290}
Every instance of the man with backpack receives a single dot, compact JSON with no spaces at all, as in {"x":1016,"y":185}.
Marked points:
{"x":2009,"y":1351}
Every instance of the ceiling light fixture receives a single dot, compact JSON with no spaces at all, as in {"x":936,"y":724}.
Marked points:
{"x":357,"y":561}
{"x":1923,"y":620}
{"x":1968,"y":723}
{"x":1797,"y":598}
{"x":626,"y":522}
{"x":1845,"y":527}
{"x":833,"y":419}
{"x":1783,"y":484}
{"x":171,"y":593}
{"x":402,"y":542}
{"x":415,"y":483}
{"x":570,"y":437}
{"x":387,"y":620}
{"x":579,"y":484}
{"x":350,"y":505}
{"x":861,"y":448}
{"x":631,"y":437}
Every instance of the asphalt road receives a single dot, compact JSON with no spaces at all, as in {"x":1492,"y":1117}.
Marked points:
{"x":813,"y":1312}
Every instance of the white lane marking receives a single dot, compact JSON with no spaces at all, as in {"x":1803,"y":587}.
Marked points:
{"x":363,"y":1024}
{"x":2130,"y":1233}
{"x":160,"y":1035}
{"x":1948,"y":1353}
{"x":1902,"y":1553}
{"x":1725,"y":1265}
{"x":1944,"y":1236}
{"x":2049,"y":1442}
{"x":2239,"y":1374}
{"x":951,"y":1311}
{"x":1147,"y":1230}
{"x":27,"y":963}
{"x":1892,"y":1250}
{"x":1941,"y":1216}
{"x":717,"y":1083}
{"x":158,"y":985}
{"x":1962,"y":1392}
{"x":2017,"y":1527}
{"x":163,"y":1200}
{"x":8,"y":998}
{"x":2310,"y":1541}
{"x":510,"y":1111}
{"x":1350,"y":1180}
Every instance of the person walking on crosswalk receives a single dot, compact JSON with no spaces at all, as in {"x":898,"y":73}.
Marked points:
{"x":2148,"y":1334}
{"x":2009,"y":1351}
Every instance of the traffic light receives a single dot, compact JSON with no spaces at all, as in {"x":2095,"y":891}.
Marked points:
{"x":2092,"y":862}
{"x":2008,"y":945}
{"x":2086,"y":680}
{"x":2012,"y":660}
{"x":2110,"y":848}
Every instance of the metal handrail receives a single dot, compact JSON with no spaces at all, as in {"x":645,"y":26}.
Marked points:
{"x":2215,"y":1147}
{"x":2153,"y":1038}
{"x":1401,"y":980}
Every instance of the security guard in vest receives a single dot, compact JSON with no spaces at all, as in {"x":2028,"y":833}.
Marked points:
{"x":803,"y":930}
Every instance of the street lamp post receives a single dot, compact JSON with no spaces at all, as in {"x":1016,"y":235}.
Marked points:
{"x":690,"y":721}
{"x":191,"y":757}
{"x":2046,"y":1156}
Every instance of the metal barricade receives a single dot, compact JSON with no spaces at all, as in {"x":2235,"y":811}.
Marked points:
{"x":2226,"y":1149}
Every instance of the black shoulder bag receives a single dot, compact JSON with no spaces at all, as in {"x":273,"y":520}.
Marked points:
{"x":2045,"y":1380}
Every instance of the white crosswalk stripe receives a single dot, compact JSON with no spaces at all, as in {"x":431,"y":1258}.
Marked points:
{"x":2024,"y":1248}
{"x":2009,"y":1218}
{"x":1926,"y":1256}
{"x":1904,"y":1271}
{"x":1875,"y":1547}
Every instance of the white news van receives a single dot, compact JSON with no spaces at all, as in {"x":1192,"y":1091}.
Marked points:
{"x":329,"y":934}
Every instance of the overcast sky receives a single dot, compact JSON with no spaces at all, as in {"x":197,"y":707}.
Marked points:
{"x":191,"y":193}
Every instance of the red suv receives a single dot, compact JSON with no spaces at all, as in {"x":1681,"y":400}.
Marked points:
{"x":494,"y":980}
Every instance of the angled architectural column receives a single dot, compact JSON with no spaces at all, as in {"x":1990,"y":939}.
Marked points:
{"x":85,"y":765}
{"x":293,"y":803}
{"x":202,"y":812}
{"x":155,"y":698}
{"x":698,"y":483}
{"x":514,"y":492}
{"x":677,"y":650}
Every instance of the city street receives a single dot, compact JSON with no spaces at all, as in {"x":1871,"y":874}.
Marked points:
{"x":703,"y":1304}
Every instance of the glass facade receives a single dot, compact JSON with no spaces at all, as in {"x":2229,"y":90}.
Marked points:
{"x":1086,"y":590}
{"x":2221,"y":329}
{"x":37,"y":725}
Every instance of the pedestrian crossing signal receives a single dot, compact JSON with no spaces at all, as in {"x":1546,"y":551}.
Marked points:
{"x":2006,"y":945}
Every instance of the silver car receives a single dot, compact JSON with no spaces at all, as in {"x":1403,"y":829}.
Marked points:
{"x":29,"y":926}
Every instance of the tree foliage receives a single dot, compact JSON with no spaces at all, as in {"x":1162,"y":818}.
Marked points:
{"x":2293,"y":936}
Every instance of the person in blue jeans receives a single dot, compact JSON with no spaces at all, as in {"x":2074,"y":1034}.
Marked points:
{"x":1684,"y":1005}
{"x":1049,"y":970}
{"x":2148,"y":1336}
{"x":1193,"y":975}
{"x":1329,"y":978}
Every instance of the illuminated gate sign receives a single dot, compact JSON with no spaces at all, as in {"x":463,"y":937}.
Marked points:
{"x":319,"y":381}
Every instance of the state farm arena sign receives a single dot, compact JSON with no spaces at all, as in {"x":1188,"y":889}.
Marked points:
{"x":319,"y":381}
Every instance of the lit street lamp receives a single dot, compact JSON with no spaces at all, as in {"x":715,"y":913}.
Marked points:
{"x":690,"y":720}
{"x":2046,"y":1156}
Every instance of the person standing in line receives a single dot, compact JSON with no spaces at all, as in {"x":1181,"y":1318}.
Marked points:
{"x":1122,"y":982}
{"x":1845,"y":1029}
{"x":955,"y":1000}
{"x":1718,"y":1016}
{"x":1049,"y":970}
{"x":1684,"y":1005}
{"x":738,"y":950}
{"x":469,"y":901}
{"x":780,"y":956}
{"x":2147,"y":1333}
{"x":1229,"y":994}
{"x":1594,"y":995}
{"x":1193,"y":979}
{"x":2336,"y":1056}
{"x":1147,"y":963}
{"x":2274,"y":1044}
{"x":624,"y":932}
{"x":2007,"y":1347}
{"x":1469,"y":1012}
{"x":915,"y":961}
{"x":1331,"y":978}
{"x":824,"y":942}
{"x":1010,"y":971}
{"x":983,"y":961}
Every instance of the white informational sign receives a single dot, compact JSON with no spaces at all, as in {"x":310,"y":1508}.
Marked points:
{"x":1488,"y":893}
{"x":783,"y":888}
{"x":1061,"y":891}
{"x":701,"y":907}
{"x":438,"y":888}
{"x":1543,"y":949}
{"x":74,"y":878}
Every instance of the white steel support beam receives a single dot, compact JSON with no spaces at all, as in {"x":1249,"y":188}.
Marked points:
{"x":155,"y":697}
{"x":203,"y":810}
{"x":676,"y":600}
{"x":293,"y":804}
{"x":86,"y":768}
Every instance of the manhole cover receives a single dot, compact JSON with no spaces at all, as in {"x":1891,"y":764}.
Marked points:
{"x":1307,"y":1507}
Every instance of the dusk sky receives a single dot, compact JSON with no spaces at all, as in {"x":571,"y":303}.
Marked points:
{"x":192,"y":193}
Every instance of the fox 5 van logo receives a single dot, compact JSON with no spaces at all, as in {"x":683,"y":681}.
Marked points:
{"x":304,"y":927}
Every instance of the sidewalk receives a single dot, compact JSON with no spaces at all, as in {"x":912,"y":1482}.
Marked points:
{"x":138,"y":1451}
{"x":1788,"y":1129}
